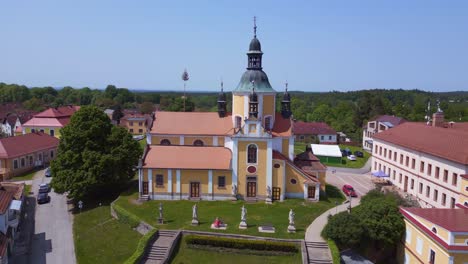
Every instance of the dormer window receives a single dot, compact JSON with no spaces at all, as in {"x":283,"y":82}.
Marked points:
{"x":165,"y":142}
{"x":434,"y":230}
{"x":198,"y":143}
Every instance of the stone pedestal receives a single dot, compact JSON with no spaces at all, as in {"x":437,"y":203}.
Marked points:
{"x":234,"y":198}
{"x":194,"y":222}
{"x":291,"y":229}
{"x":243,"y":225}
{"x":161,"y":221}
{"x":268,"y":201}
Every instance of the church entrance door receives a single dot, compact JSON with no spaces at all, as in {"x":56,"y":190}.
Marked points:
{"x":311,"y":192}
{"x":145,"y":187}
{"x":251,"y":189}
{"x":276,"y":193}
{"x":194,"y":189}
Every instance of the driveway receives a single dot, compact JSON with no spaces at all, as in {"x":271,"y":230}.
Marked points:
{"x":52,"y":242}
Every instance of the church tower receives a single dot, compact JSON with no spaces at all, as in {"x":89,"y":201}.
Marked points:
{"x":254,"y":98}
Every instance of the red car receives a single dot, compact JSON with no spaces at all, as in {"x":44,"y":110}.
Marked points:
{"x":349,"y":190}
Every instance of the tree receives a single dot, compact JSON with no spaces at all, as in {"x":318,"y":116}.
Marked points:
{"x":93,"y":155}
{"x":146,"y":107}
{"x":345,"y":229}
{"x":117,"y":114}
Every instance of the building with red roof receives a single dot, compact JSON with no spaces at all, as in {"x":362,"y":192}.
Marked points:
{"x":314,"y":132}
{"x":376,"y":125}
{"x":435,"y":235}
{"x":11,"y":204}
{"x":23,"y":153}
{"x":50,"y":121}
{"x":245,"y":154}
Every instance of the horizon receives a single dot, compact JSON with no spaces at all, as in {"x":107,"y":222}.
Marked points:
{"x":315,"y":47}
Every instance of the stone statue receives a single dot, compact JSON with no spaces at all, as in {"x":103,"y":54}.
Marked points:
{"x":194,"y":211}
{"x":291,"y":217}
{"x":234,"y":189}
{"x":160,"y":211}
{"x":243,"y":214}
{"x":268,"y":191}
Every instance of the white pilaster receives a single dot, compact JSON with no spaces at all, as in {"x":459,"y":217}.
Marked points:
{"x":215,"y":141}
{"x":169,"y":180}
{"x":269,"y":165}
{"x":178,"y":181}
{"x":283,"y":188}
{"x":181,"y":140}
{"x":317,"y":191}
{"x":305,"y":190}
{"x":148,"y":138}
{"x":246,"y":107}
{"x":234,"y":160}
{"x":140,"y":179}
{"x":210,"y":181}
{"x":291,"y":148}
{"x":150,"y":180}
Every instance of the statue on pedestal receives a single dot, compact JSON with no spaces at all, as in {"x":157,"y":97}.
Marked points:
{"x":243,"y":223}
{"x":161,"y":218}
{"x":291,"y":227}
{"x":195,"y":214}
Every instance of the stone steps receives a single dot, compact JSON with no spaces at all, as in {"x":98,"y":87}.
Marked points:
{"x":318,"y":252}
{"x":160,"y":248}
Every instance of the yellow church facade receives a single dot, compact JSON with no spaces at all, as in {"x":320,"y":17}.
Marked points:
{"x":247,"y":154}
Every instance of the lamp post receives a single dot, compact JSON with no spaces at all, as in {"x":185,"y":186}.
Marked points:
{"x":350,"y":199}
{"x":336,"y":207}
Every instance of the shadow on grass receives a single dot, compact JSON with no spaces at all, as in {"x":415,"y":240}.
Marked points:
{"x":331,"y":192}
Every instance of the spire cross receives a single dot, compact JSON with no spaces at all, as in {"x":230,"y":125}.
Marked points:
{"x":222,"y":86}
{"x":286,"y":84}
{"x":255,"y":26}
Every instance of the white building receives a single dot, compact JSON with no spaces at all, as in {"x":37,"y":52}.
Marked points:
{"x":377,"y":125}
{"x":426,"y":161}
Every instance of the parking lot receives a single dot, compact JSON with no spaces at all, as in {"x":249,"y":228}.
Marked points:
{"x":361,"y":182}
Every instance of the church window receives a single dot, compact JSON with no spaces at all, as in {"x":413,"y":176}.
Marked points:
{"x":15,"y":164}
{"x":293,"y":181}
{"x":221,"y":181}
{"x":159,"y":180}
{"x":238,"y":122}
{"x":23,"y":163}
{"x":268,"y":122}
{"x":252,"y":154}
{"x":198,"y":143}
{"x":165,"y":142}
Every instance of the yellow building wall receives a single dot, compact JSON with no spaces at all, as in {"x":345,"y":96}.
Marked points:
{"x":46,"y":130}
{"x":460,"y":239}
{"x":460,"y":258}
{"x":228,"y":189}
{"x":156,"y":140}
{"x":220,"y":141}
{"x":463,"y":197}
{"x":207,"y":141}
{"x":136,"y":127}
{"x":145,"y":175}
{"x":285,"y":147}
{"x":187,"y":176}
{"x":293,"y":174}
{"x":261,"y":167}
{"x":159,"y":189}
{"x":441,"y":232}
{"x":268,"y":105}
{"x":238,"y":106}
{"x":278,"y":174}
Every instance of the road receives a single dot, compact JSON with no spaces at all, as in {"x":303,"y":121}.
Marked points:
{"x":52,"y":242}
{"x":361,"y":182}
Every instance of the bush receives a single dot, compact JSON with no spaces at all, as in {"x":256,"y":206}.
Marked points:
{"x":345,"y":229}
{"x":140,"y":250}
{"x":241,"y":243}
{"x":125,"y":217}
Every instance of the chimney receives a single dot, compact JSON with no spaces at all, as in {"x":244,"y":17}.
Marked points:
{"x":438,"y":119}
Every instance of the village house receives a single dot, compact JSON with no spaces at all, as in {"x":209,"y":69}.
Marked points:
{"x":11,"y":203}
{"x":247,"y":154}
{"x":11,"y":122}
{"x":379,"y":124}
{"x":428,"y":162}
{"x":23,"y":153}
{"x":50,"y":121}
{"x":136,"y":123}
{"x":314,"y":132}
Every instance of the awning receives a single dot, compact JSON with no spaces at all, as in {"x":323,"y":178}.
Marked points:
{"x":15,"y":205}
{"x":380,"y":174}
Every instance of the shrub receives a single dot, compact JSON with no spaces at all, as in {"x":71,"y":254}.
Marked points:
{"x":345,"y":229}
{"x":125,"y":217}
{"x":140,"y":250}
{"x":241,"y":243}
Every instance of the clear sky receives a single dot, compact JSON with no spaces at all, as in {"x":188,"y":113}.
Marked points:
{"x":315,"y":45}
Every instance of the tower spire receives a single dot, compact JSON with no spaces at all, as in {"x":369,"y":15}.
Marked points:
{"x":286,"y":84}
{"x":255,"y":26}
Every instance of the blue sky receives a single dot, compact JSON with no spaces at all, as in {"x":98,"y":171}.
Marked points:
{"x":315,"y":45}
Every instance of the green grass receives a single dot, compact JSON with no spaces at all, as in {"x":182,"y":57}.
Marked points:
{"x":335,"y":252}
{"x":299,"y":147}
{"x":188,"y":255}
{"x":27,"y":189}
{"x":99,"y":238}
{"x":25,"y":177}
{"x":178,"y":214}
{"x":142,"y":143}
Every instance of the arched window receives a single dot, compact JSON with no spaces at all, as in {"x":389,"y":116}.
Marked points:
{"x":198,"y":143}
{"x":165,"y":142}
{"x":252,"y":154}
{"x":434,"y":230}
{"x":238,"y":122}
{"x":268,"y":122}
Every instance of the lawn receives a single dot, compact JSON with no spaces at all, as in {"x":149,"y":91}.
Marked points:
{"x":178,"y":214}
{"x":187,"y":255}
{"x":142,"y":143}
{"x":299,"y":147}
{"x":26,"y":177}
{"x":27,"y":189}
{"x":99,"y":238}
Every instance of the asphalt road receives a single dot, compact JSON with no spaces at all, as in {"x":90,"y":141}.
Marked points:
{"x":361,"y":182}
{"x":52,"y":242}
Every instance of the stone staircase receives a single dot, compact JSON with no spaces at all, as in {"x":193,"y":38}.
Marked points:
{"x":318,"y":253}
{"x":144,"y":197}
{"x":159,"y":251}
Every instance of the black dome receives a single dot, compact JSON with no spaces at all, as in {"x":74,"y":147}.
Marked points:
{"x":286,"y":96}
{"x":255,"y":45}
{"x":253,"y":97}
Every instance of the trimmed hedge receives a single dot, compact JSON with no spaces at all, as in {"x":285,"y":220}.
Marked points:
{"x":335,"y":252}
{"x":125,"y":217}
{"x":241,"y":243}
{"x":140,"y":250}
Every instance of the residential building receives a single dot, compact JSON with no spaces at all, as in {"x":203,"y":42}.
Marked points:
{"x":11,"y":122}
{"x":247,"y":154}
{"x":50,"y":121}
{"x":425,"y":161}
{"x":23,"y":153}
{"x":11,"y":202}
{"x":309,"y":163}
{"x":314,"y":132}
{"x":379,"y":124}
{"x":435,"y":235}
{"x":135,"y":122}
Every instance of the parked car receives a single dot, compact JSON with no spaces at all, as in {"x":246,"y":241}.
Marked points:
{"x":359,"y":154}
{"x":345,"y":152}
{"x":352,"y":157}
{"x":44,"y":188}
{"x":48,"y":173}
{"x":43,"y":198}
{"x":349,"y":190}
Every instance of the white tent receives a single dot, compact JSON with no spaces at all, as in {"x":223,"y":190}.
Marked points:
{"x":326,"y":150}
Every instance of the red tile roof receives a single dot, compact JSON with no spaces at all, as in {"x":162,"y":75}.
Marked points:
{"x":454,"y":220}
{"x":187,"y":157}
{"x":447,"y":143}
{"x":283,"y":126}
{"x":309,"y":178}
{"x":312,"y":128}
{"x":192,"y":123}
{"x":308,"y":162}
{"x":5,"y":200}
{"x":16,"y":189}
{"x":53,"y":117}
{"x":25,"y":144}
{"x":62,"y":111}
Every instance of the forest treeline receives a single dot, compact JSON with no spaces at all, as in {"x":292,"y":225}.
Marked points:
{"x":344,"y":111}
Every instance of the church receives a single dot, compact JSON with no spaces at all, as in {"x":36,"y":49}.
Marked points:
{"x":247,"y":154}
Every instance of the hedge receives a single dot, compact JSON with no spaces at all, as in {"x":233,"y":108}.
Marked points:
{"x":241,"y":243}
{"x":140,"y":250}
{"x":335,"y":252}
{"x":125,"y":217}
